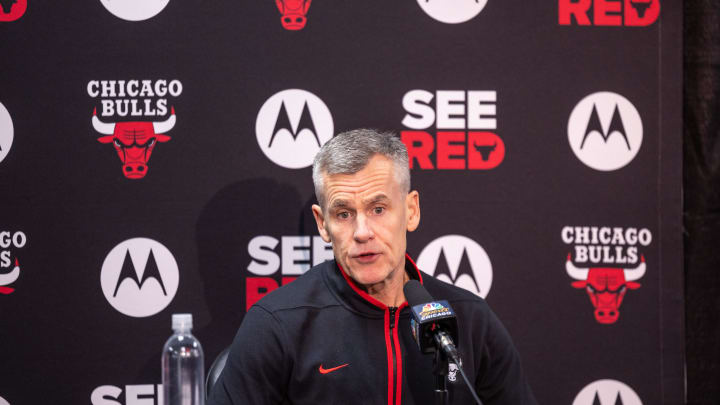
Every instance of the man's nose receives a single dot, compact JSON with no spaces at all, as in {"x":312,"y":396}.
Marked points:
{"x":363,"y":230}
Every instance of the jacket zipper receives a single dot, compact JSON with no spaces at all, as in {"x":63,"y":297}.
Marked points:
{"x":394,"y":356}
{"x":392,"y":343}
{"x":393,"y":338}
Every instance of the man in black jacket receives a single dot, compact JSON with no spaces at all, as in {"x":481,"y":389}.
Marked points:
{"x":340,"y":334}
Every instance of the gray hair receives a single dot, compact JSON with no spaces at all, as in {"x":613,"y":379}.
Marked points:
{"x":349,"y":152}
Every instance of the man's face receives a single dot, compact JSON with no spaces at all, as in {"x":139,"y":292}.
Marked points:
{"x":366,"y":218}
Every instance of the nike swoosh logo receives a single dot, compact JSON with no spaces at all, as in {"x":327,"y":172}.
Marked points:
{"x":330,"y":370}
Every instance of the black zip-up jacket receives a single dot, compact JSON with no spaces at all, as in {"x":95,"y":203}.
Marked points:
{"x":322,"y":340}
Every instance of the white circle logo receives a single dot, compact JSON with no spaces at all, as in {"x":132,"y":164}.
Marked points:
{"x":3,"y":401}
{"x":607,"y":392}
{"x":135,"y":10}
{"x":605,"y":131}
{"x":139,"y":277}
{"x":452,"y":11}
{"x":291,"y":127}
{"x":6,"y":132}
{"x":460,"y":261}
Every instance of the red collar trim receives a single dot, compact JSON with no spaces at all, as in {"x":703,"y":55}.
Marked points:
{"x":367,"y":296}
{"x":407,"y":256}
{"x":360,"y":292}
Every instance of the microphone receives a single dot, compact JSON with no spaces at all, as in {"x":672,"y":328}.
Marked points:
{"x":434,"y":328}
{"x":433,"y":322}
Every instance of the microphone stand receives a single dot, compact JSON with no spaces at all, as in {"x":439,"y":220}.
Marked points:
{"x":441,"y":366}
{"x":440,"y":370}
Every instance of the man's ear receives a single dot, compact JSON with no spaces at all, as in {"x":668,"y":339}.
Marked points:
{"x":412,"y":202}
{"x":320,"y":222}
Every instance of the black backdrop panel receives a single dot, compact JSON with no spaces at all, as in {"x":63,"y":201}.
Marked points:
{"x":205,"y":113}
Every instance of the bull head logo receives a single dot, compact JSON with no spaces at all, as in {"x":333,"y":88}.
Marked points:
{"x":485,"y":150}
{"x":134,"y":141}
{"x":606,"y":287}
{"x":641,"y":6}
{"x":7,"y":5}
{"x":9,"y":278}
{"x":294,"y":13}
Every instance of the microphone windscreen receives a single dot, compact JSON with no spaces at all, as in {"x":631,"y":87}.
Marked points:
{"x":416,"y":294}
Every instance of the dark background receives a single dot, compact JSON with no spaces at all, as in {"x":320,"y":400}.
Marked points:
{"x":210,"y":190}
{"x":701,"y":176}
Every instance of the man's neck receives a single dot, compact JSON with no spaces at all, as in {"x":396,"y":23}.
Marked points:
{"x":390,"y":290}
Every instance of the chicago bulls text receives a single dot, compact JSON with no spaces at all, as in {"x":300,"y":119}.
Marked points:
{"x":135,"y":98}
{"x":607,"y":245}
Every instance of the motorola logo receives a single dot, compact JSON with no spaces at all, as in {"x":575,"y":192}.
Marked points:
{"x":460,"y":261}
{"x":291,"y":127}
{"x":607,"y":392}
{"x":454,"y":11}
{"x":6,"y":132}
{"x":139,"y":277}
{"x":605,"y":131}
{"x":135,"y":10}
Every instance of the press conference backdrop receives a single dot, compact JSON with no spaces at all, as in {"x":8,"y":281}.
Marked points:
{"x":154,"y":159}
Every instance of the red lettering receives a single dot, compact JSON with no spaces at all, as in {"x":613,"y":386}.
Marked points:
{"x":603,"y":10}
{"x":485,"y":150}
{"x":631,"y":13}
{"x":447,"y":150}
{"x":569,"y":8}
{"x":482,"y":151}
{"x":420,"y":145}
{"x":258,"y":287}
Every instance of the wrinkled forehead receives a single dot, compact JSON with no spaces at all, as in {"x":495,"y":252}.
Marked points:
{"x":377,"y":180}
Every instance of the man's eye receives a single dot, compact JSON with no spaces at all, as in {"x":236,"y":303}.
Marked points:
{"x":343,"y":215}
{"x":378,"y":210}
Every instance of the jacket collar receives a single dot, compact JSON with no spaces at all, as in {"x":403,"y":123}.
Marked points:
{"x":352,"y":296}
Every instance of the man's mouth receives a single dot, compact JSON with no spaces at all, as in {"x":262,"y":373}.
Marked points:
{"x":366,"y":257}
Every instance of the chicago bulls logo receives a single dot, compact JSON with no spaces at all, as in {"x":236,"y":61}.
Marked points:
{"x":10,"y":242}
{"x":294,"y":13}
{"x":9,"y":278}
{"x":134,"y":141}
{"x":11,"y":10}
{"x":605,"y":286}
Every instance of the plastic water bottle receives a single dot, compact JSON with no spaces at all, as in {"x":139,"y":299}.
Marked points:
{"x":183,"y":367}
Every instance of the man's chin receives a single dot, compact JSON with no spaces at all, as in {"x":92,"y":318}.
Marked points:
{"x":367,"y":277}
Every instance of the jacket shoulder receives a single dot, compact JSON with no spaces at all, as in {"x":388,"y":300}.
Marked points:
{"x":308,"y":290}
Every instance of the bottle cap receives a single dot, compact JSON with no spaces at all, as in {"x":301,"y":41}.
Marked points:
{"x":182,"y":322}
